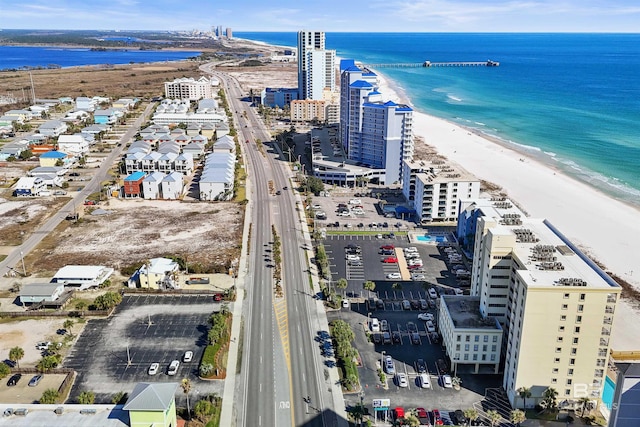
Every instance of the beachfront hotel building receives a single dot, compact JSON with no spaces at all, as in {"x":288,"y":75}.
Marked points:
{"x":556,"y":306}
{"x":190,"y":88}
{"x":435,"y":186}
{"x":316,"y":65}
{"x":375,"y":133}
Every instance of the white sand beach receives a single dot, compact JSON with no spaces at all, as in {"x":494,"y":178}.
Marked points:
{"x":604,"y":228}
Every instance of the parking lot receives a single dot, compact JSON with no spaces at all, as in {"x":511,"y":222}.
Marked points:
{"x":434,"y":272}
{"x":22,"y":393}
{"x":114,"y":354}
{"x":405,"y":354}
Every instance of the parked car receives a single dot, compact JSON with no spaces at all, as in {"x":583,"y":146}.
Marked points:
{"x":387,"y":247}
{"x":446,"y":381}
{"x":458,"y":417}
{"x":173,"y":367}
{"x":384,"y":325}
{"x":74,"y":174}
{"x":389,"y":366}
{"x":390,"y":260}
{"x":396,"y":337}
{"x":188,"y":356}
{"x":406,"y":305}
{"x":423,"y":304}
{"x":394,"y":276}
{"x":411,"y":327}
{"x":424,"y":381}
{"x":377,"y":338}
{"x":401,"y":379}
{"x":443,"y":368}
{"x":43,"y":345}
{"x":415,"y":338}
{"x":35,"y":380}
{"x":89,"y":202}
{"x":425,"y":316}
{"x":430,"y":326}
{"x":421,"y":366}
{"x":386,"y":338}
{"x":437,"y":418}
{"x":14,"y":380}
{"x":375,"y":325}
{"x":432,"y":293}
{"x":423,"y":416}
{"x":153,"y":369}
{"x":355,"y":263}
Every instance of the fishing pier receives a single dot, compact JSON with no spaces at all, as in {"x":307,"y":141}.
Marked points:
{"x":429,"y":64}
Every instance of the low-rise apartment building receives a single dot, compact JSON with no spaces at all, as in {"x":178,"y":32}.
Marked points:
{"x":189,"y":88}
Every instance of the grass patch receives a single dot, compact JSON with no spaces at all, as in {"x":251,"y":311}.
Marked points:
{"x":2,"y":257}
{"x":532,"y":414}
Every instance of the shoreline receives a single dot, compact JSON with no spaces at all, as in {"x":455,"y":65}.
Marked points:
{"x":602,"y":226}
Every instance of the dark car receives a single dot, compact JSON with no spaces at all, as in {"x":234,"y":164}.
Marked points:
{"x":396,"y":337}
{"x":458,"y":417}
{"x":35,"y":380}
{"x":415,"y":338}
{"x":442,"y":366}
{"x":278,"y":193}
{"x":421,"y":366}
{"x":14,"y":379}
{"x":285,"y":188}
{"x":377,"y":338}
{"x":74,"y":174}
{"x":379,"y":303}
{"x":411,"y":327}
{"x":61,"y":331}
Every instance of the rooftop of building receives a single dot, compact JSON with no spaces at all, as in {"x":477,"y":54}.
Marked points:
{"x":465,"y":313}
{"x":549,"y":258}
{"x":136,"y":176}
{"x":69,"y":416}
{"x":497,"y":207}
{"x":438,"y":170}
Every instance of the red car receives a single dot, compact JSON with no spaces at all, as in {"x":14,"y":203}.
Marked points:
{"x":387,"y":247}
{"x":414,"y":267}
{"x":390,"y":260}
{"x":89,"y":202}
{"x":437,"y":419}
{"x":399,"y":412}
{"x":423,"y":417}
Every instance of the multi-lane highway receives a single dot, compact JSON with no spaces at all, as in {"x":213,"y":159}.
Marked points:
{"x":284,"y":381}
{"x":77,"y":198}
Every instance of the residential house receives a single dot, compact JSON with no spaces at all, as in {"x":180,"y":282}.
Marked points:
{"x":152,"y":404}
{"x":182,"y":139}
{"x":85,"y":103}
{"x":124,"y":104}
{"x":52,"y":158}
{"x":20,"y":115}
{"x":133,"y":185}
{"x":225,"y":144}
{"x":51,"y":175}
{"x":82,"y":276}
{"x":168,"y":147}
{"x":165,"y":162}
{"x":200,"y":138}
{"x":221,"y":129}
{"x":29,"y":186}
{"x":91,"y":132}
{"x":33,"y":293}
{"x":108,"y":116}
{"x":196,"y":149}
{"x":150,"y":161}
{"x":13,"y":149}
{"x":139,"y":147}
{"x":6,"y":122}
{"x":133,"y":162}
{"x":151,"y":185}
{"x":184,"y":163}
{"x":208,"y":105}
{"x":157,"y":274}
{"x":172,"y":186}
{"x":193,"y":129}
{"x":209,"y":129}
{"x":216,"y":181}
{"x":73,"y":145}
{"x":52,"y":128}
{"x":75,"y":116}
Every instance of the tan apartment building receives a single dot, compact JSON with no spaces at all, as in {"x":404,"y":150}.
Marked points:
{"x":307,"y":110}
{"x":190,"y":88}
{"x":556,"y":307}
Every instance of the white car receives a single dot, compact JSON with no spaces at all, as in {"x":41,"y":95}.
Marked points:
{"x":384,"y":325}
{"x":458,"y":291}
{"x":424,"y":381}
{"x":411,"y":249}
{"x":153,"y":369}
{"x":432,"y":293}
{"x":430,"y":326}
{"x":355,"y":202}
{"x":375,"y":325}
{"x":188,"y":356}
{"x":416,"y":261}
{"x":426,"y":317}
{"x":401,"y":378}
{"x":173,"y":367}
{"x":389,"y":366}
{"x":446,"y":381}
{"x":418,"y":276}
{"x":394,"y":276}
{"x":351,"y":257}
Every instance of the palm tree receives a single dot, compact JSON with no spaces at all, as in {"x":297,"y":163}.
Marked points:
{"x":584,"y":401}
{"x":369,"y":286}
{"x":68,"y":324}
{"x":342,"y":283}
{"x":396,"y":286}
{"x":549,"y":398}
{"x":517,"y":417}
{"x":524,"y":393}
{"x":15,"y":354}
{"x":494,"y":416}
{"x":471,"y":414}
{"x":186,"y":388}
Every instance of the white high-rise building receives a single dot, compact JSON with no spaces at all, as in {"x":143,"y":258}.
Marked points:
{"x":374,"y":132}
{"x":556,"y":305}
{"x":316,"y":65}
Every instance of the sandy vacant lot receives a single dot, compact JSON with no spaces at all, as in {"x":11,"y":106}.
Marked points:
{"x":26,"y":334}
{"x":136,"y":230}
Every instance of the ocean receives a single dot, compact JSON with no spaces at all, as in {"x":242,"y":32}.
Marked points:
{"x":570,"y":100}
{"x":14,"y":57}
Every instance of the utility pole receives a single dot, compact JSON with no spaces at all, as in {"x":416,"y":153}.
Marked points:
{"x":33,"y":90}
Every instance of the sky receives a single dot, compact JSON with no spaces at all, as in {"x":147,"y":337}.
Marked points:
{"x":326,"y":15}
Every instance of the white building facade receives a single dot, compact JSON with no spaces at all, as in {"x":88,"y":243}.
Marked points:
{"x":316,"y":65}
{"x":189,"y":88}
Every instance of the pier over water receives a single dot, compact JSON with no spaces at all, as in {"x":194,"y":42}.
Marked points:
{"x":429,"y":64}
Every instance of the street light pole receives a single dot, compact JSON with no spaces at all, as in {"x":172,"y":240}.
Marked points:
{"x":24,"y":270}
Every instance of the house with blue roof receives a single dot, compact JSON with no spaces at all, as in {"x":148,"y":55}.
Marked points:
{"x":52,"y":158}
{"x":132,"y":187}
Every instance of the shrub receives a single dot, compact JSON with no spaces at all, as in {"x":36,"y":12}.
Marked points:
{"x":49,"y":396}
{"x":86,"y":398}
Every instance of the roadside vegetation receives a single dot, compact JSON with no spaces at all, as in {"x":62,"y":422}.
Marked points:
{"x":346,"y":354}
{"x":213,"y":363}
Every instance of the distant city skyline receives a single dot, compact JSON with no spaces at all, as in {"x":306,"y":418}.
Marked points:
{"x":329,"y":16}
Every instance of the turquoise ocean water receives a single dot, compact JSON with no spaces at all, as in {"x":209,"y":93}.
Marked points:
{"x":570,"y":100}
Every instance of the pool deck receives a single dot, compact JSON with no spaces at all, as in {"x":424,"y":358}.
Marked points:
{"x":449,"y":239}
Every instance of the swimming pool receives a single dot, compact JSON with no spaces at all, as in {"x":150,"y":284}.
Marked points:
{"x":428,"y":238}
{"x":607,"y":392}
